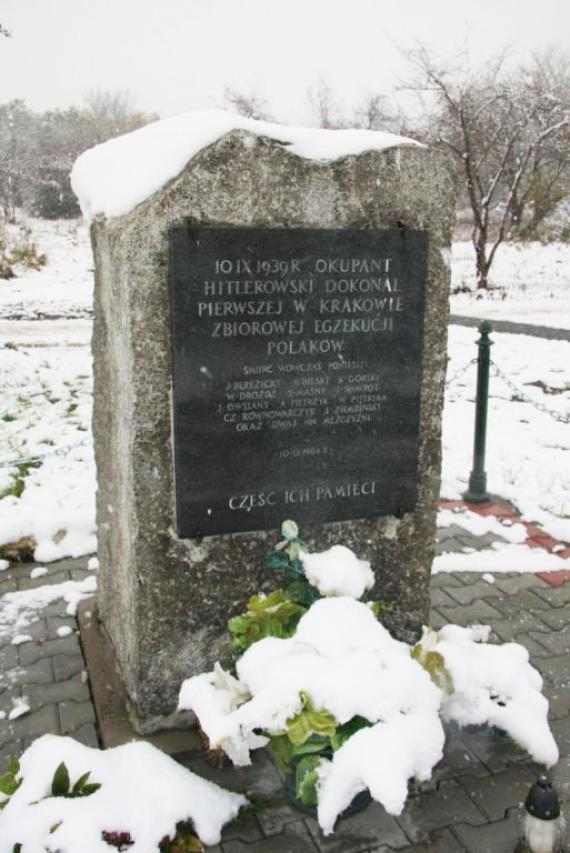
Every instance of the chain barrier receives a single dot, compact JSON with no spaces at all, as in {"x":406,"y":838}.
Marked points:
{"x":460,"y":372}
{"x":39,"y":457}
{"x":522,"y":395}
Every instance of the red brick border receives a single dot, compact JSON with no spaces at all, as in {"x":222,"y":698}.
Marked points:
{"x":536,"y":538}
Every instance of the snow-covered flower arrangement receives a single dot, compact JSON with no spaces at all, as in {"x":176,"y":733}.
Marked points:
{"x":345,"y":705}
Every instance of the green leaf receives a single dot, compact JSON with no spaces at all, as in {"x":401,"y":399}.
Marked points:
{"x":306,"y":780}
{"x":80,"y":782}
{"x":17,"y":848}
{"x":277,"y":560}
{"x":8,"y":784}
{"x":60,"y":782}
{"x":309,"y":721}
{"x":87,"y":790}
{"x":13,"y":765}
{"x":344,"y":732}
{"x":55,"y":827}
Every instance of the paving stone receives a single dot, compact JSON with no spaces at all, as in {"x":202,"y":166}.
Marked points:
{"x":500,"y":837}
{"x":556,"y":618}
{"x":57,"y":608}
{"x":468,"y":578}
{"x":72,"y":690}
{"x":64,"y":666}
{"x":360,"y":832}
{"x":31,"y":652}
{"x":442,"y":808}
{"x":73,"y":715}
{"x":513,"y":584}
{"x":276,"y":815}
{"x":441,"y":598}
{"x":450,"y":532}
{"x":296,"y":839}
{"x":13,"y":747}
{"x":477,"y":613}
{"x":8,"y":585}
{"x":436,"y":620}
{"x":495,"y":795}
{"x":555,"y":596}
{"x":40,"y":672}
{"x":260,"y":778}
{"x":480,"y":543}
{"x":457,"y":761}
{"x":87,"y":735}
{"x":443,"y":580}
{"x":244,"y":829}
{"x":479,"y":590}
{"x":495,"y":750}
{"x":557,"y":642}
{"x":56,"y":622}
{"x":450,"y":546}
{"x":36,"y":630}
{"x":521,"y":623}
{"x":80,"y":574}
{"x":555,"y":669}
{"x":438,"y":842}
{"x":8,"y":657}
{"x":512,"y":605}
{"x":45,"y":720}
{"x":52,"y":577}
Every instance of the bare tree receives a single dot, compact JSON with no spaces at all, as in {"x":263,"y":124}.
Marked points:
{"x":498,"y":133}
{"x":324,"y":106}
{"x":373,"y":113}
{"x":250,"y":106}
{"x":113,"y":113}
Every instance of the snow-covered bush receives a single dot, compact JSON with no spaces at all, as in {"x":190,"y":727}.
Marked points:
{"x":63,"y":797}
{"x":335,"y":696}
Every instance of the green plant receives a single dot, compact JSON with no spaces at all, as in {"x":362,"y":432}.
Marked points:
{"x":17,"y":485}
{"x":273,"y":615}
{"x":61,"y":784}
{"x":9,"y":782}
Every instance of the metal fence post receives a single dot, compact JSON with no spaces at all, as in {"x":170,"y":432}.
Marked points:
{"x":477,"y":491}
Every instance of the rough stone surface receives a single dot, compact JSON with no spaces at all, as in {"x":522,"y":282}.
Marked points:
{"x":165,"y":601}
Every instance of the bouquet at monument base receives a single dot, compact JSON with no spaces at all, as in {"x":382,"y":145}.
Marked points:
{"x":344,"y":706}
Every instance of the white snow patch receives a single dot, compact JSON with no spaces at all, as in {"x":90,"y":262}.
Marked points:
{"x":4,"y":564}
{"x":92,"y":564}
{"x":21,"y":638}
{"x":20,"y":609}
{"x":64,"y":631}
{"x":143,"y":792}
{"x":338,"y":571}
{"x":488,"y":578}
{"x":479,"y":525}
{"x":112,"y":178}
{"x":21,"y":706}
{"x":510,"y":558}
{"x":38,"y":572}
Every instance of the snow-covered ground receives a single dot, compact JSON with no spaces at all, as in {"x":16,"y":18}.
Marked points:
{"x":46,"y":385}
{"x":531,"y":284}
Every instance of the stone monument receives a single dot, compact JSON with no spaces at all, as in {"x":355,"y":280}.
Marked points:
{"x":269,"y":343}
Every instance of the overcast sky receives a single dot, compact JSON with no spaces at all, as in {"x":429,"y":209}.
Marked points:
{"x":177,"y":55}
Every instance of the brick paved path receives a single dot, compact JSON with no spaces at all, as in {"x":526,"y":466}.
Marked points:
{"x":470,"y":804}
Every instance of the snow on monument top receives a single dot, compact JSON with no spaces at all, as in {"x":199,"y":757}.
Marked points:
{"x":112,"y":178}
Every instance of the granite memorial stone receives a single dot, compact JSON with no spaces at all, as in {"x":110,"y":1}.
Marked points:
{"x":269,"y":343}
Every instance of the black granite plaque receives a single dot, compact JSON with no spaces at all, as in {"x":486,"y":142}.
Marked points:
{"x":296,"y":359}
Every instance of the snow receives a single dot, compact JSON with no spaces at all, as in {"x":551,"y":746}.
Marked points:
{"x":38,"y":572}
{"x":480,"y":525}
{"x":112,"y":178}
{"x":143,"y":792}
{"x":533,"y":281}
{"x":92,"y":564}
{"x":21,"y":638}
{"x":497,"y":686}
{"x":338,"y":571}
{"x":510,"y":558}
{"x":20,"y":609}
{"x":4,"y":564}
{"x":64,"y":631}
{"x":20,"y":707}
{"x":348,"y":664}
